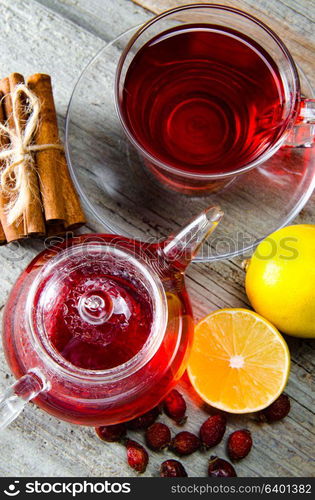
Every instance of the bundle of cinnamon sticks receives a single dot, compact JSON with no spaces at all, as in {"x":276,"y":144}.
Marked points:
{"x":53,"y":206}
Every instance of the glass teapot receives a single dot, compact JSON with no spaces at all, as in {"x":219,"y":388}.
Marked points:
{"x":97,"y":330}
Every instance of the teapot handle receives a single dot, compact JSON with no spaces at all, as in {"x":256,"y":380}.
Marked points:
{"x":303,"y":132}
{"x":19,"y":394}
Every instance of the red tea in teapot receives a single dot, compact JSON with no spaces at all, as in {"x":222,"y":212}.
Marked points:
{"x":99,"y":321}
{"x":98,"y":329}
{"x":95,"y":321}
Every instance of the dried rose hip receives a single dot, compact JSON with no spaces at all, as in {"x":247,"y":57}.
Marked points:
{"x":277,"y":410}
{"x":175,"y":407}
{"x":144,"y":421}
{"x":111,"y":433}
{"x":172,"y":468}
{"x":185,"y":443}
{"x":158,"y":436}
{"x":218,"y":467}
{"x":239,"y":444}
{"x":212,"y":430}
{"x":137,"y":456}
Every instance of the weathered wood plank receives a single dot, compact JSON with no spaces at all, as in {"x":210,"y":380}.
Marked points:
{"x":61,"y":36}
{"x":105,"y":19}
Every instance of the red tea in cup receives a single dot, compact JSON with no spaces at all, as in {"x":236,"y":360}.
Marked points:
{"x":203,"y":98}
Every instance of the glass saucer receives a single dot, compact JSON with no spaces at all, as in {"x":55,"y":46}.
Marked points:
{"x":121,"y":197}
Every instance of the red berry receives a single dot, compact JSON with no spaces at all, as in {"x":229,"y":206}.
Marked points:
{"x":239,"y":444}
{"x":185,"y":443}
{"x":212,"y":430}
{"x":218,"y":467}
{"x":175,"y":407}
{"x":111,"y":433}
{"x":144,"y":421}
{"x":278,"y":409}
{"x":158,"y":436}
{"x":172,"y":468}
{"x":137,"y":456}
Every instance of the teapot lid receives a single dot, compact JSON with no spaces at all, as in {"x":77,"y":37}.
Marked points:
{"x":95,"y":306}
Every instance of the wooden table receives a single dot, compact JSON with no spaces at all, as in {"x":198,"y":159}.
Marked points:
{"x":59,"y":37}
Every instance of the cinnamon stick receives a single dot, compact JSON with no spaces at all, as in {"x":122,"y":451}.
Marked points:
{"x":33,"y":216}
{"x":55,"y":229}
{"x":3,"y":239}
{"x":74,"y":214}
{"x":12,"y":232}
{"x":58,"y":192}
{"x":47,"y":133}
{"x":54,"y":205}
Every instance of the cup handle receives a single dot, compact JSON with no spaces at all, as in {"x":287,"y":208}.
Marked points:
{"x":303,"y":132}
{"x":19,"y":394}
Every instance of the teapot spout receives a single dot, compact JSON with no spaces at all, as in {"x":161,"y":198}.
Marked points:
{"x":181,"y":248}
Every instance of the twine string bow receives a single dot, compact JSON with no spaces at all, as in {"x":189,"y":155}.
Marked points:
{"x":17,"y":158}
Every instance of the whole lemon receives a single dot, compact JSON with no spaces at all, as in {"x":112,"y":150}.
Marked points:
{"x":280,"y":280}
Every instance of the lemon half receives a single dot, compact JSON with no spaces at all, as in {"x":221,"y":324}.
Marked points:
{"x":239,"y":362}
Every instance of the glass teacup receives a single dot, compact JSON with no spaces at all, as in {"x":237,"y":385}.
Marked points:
{"x":207,"y":92}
